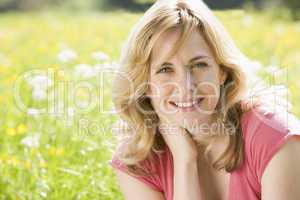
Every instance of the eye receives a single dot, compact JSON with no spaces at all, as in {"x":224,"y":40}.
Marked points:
{"x":164,"y":70}
{"x":200,"y":64}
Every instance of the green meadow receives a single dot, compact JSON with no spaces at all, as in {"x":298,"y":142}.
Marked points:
{"x":55,"y":101}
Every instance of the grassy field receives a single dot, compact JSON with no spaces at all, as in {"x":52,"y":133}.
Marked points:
{"x":55,"y":142}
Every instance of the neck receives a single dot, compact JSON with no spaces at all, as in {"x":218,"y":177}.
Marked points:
{"x":215,"y":145}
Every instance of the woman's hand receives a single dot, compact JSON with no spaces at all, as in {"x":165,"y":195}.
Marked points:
{"x":184,"y":152}
{"x":179,"y":141}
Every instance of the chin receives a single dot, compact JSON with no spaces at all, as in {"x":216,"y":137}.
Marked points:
{"x":193,"y":121}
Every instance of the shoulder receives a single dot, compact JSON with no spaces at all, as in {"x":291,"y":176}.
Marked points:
{"x":265,"y":131}
{"x":133,"y":184}
{"x":268,"y":124}
{"x":150,"y":171}
{"x":283,"y":169}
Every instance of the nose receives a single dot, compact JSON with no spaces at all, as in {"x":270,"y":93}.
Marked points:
{"x":186,"y":85}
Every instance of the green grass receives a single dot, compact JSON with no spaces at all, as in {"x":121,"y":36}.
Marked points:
{"x":71,"y":160}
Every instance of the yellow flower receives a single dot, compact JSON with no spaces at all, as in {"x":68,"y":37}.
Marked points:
{"x":56,"y":151}
{"x":21,"y":129}
{"x":27,"y":164}
{"x":3,"y":69}
{"x":10,"y":79}
{"x":60,"y":151}
{"x":11,"y":131}
{"x":34,"y":151}
{"x":60,"y":74}
{"x":43,"y":163}
{"x":3,"y":158}
{"x":12,"y":160}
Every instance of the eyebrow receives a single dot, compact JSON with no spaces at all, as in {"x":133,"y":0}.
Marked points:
{"x":190,"y":61}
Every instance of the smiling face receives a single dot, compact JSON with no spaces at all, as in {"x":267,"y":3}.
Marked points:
{"x":185,"y":88}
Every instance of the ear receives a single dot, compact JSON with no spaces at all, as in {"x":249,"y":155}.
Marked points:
{"x":148,"y":94}
{"x":222,"y":76}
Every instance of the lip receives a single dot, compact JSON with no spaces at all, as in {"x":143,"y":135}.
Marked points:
{"x":189,"y":108}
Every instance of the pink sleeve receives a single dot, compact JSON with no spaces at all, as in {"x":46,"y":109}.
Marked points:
{"x":151,"y":180}
{"x":271,"y":133}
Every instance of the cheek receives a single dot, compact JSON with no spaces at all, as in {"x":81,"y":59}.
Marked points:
{"x":207,"y":82}
{"x":161,"y":86}
{"x":160,"y":93}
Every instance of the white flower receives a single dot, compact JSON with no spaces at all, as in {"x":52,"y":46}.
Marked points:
{"x":70,"y":171}
{"x":4,"y":60}
{"x":56,"y":109}
{"x":115,"y":64}
{"x":43,"y":194}
{"x":106,"y":66}
{"x":84,"y":71}
{"x":31,"y":141}
{"x":298,"y":27}
{"x":250,"y":69}
{"x":43,"y":187}
{"x":272,"y":69}
{"x":100,"y":56}
{"x":70,"y":112}
{"x":253,"y":67}
{"x":39,"y":94}
{"x":67,"y":55}
{"x":247,"y":20}
{"x":40,"y":82}
{"x":82,"y":152}
{"x":113,"y":110}
{"x":33,"y":112}
{"x":280,"y":29}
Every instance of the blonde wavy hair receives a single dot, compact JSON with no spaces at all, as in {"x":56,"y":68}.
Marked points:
{"x":139,"y":142}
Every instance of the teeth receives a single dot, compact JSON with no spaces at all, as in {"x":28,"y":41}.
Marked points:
{"x":185,"y":104}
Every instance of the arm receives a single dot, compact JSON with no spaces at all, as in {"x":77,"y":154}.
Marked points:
{"x":184,"y":152}
{"x":281,"y":178}
{"x":186,"y":183}
{"x":186,"y":180}
{"x":133,"y":189}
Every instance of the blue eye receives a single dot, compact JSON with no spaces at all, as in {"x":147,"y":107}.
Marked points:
{"x":164,"y":70}
{"x":200,"y":64}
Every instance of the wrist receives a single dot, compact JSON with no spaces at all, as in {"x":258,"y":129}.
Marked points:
{"x":185,"y":160}
{"x":187,"y":168}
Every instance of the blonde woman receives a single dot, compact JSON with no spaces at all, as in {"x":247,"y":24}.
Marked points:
{"x":189,"y":129}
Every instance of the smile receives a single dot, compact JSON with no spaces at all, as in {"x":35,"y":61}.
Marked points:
{"x":188,"y":105}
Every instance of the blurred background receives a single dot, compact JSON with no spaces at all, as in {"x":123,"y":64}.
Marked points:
{"x":57,"y":59}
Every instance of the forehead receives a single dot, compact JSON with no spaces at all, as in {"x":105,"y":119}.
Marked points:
{"x":194,"y":44}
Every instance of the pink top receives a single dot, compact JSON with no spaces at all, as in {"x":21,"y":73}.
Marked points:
{"x":264,"y":132}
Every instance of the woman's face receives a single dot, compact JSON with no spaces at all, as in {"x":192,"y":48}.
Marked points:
{"x":185,"y":88}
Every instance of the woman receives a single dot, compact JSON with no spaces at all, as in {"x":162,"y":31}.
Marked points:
{"x":190,"y":130}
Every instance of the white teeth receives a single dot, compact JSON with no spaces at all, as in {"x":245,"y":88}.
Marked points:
{"x":185,"y":104}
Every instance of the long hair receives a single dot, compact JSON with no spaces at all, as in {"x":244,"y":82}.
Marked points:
{"x":139,"y":141}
